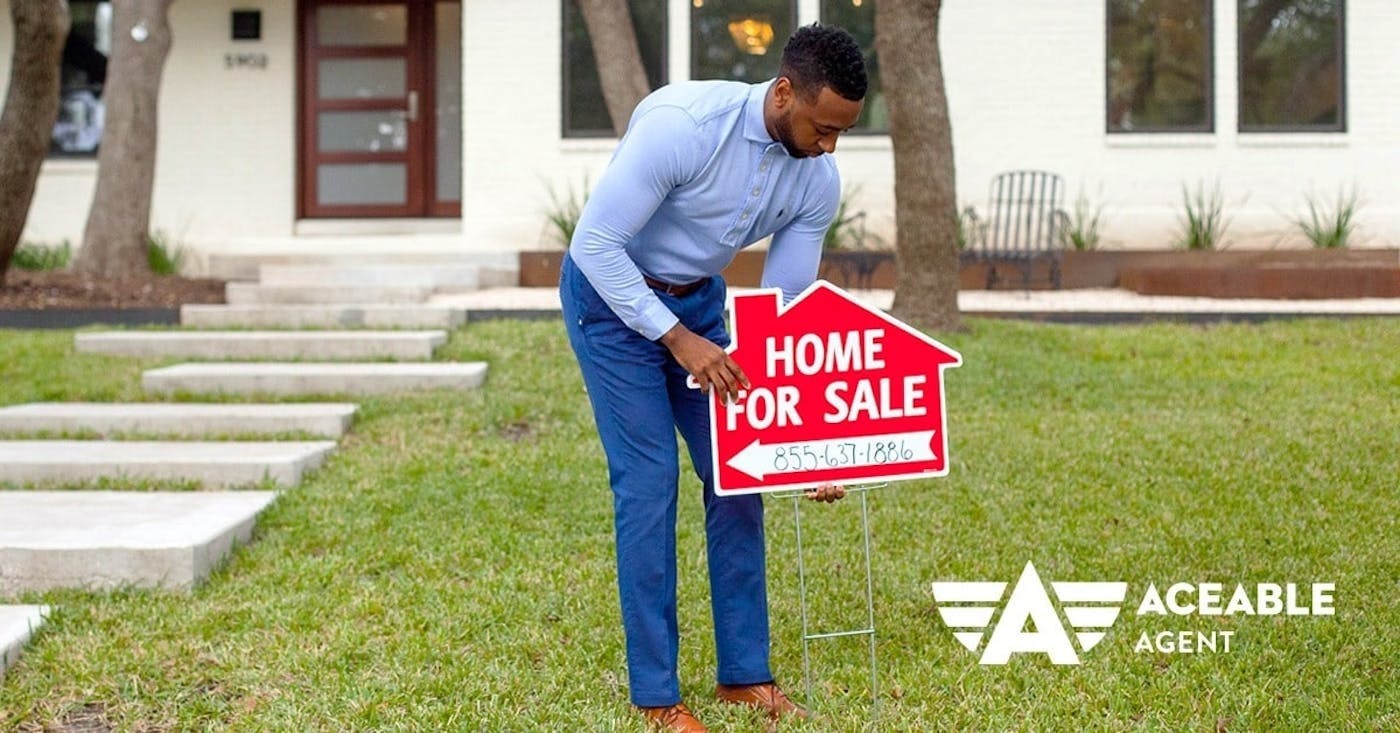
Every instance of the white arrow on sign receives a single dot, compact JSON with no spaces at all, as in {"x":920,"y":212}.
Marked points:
{"x":759,"y":459}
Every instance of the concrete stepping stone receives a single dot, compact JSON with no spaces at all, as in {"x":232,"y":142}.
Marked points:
{"x":311,"y":378}
{"x":17,"y":624}
{"x":440,"y":277}
{"x":349,"y":248}
{"x":240,"y":293}
{"x":332,"y":345}
{"x":321,"y":316}
{"x":99,"y":540}
{"x":220,"y":464}
{"x":178,"y":419}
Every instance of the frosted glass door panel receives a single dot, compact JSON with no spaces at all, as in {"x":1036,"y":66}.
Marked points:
{"x":362,"y":78}
{"x":350,"y":184}
{"x":370,"y":132}
{"x":449,"y":101}
{"x":362,"y":25}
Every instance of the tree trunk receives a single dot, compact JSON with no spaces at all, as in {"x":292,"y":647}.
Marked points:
{"x":118,"y":225}
{"x":31,"y":107}
{"x":619,"y":59}
{"x":926,"y":216}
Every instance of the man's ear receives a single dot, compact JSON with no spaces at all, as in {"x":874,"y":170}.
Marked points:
{"x":783,"y":92}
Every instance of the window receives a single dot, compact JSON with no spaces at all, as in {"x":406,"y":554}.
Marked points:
{"x":1291,"y":66}
{"x":585,"y":112}
{"x":1159,"y":66}
{"x":858,"y":17}
{"x":78,"y":130}
{"x":741,"y":40}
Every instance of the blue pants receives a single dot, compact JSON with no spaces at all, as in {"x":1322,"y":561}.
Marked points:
{"x":640,"y":399}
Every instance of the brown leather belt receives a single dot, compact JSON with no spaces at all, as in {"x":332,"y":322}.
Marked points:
{"x":679,"y":291}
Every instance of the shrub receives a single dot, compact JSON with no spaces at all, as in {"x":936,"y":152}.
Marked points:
{"x":1330,"y":228}
{"x":561,"y":218}
{"x":40,"y":257}
{"x":847,"y":229}
{"x":1080,"y":228}
{"x":970,"y":227}
{"x":163,"y":255}
{"x":1203,"y":223}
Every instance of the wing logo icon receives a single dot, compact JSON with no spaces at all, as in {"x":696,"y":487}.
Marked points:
{"x":1028,"y":621}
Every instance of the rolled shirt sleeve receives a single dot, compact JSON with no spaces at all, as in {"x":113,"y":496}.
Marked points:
{"x":659,"y":152}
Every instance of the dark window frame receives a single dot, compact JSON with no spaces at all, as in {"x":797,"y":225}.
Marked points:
{"x":565,"y":86}
{"x":1339,"y":127}
{"x":50,"y":152}
{"x":860,"y":131}
{"x":794,"y":20}
{"x":1206,"y":128}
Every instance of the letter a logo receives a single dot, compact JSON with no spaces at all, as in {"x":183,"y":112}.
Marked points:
{"x":1029,"y":622}
{"x":1029,"y":602}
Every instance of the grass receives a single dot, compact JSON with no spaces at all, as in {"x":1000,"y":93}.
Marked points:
{"x":451,"y":566}
{"x":164,"y":255}
{"x":1203,"y":221}
{"x":1330,"y":228}
{"x":36,"y":257}
{"x":562,"y":215}
{"x":1082,"y":227}
{"x":971,"y":229}
{"x":847,"y":228}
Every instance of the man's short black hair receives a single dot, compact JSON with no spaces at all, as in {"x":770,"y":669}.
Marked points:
{"x":824,"y":55}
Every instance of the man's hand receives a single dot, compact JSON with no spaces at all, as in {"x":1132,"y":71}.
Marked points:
{"x":826,"y":493}
{"x":706,"y":361}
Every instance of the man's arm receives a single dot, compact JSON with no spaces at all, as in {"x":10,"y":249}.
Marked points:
{"x":793,"y":258}
{"x":659,"y":153}
{"x":796,"y":250}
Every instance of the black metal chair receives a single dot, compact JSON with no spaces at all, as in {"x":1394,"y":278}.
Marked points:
{"x":1025,"y":218}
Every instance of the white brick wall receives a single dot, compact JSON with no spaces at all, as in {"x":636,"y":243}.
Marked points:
{"x":1025,"y":82}
{"x":225,"y":163}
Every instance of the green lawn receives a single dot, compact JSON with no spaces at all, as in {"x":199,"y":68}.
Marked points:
{"x":451,"y":567}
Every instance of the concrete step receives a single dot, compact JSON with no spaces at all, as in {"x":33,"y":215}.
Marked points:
{"x":439,"y":277}
{"x":246,"y":257}
{"x":99,"y":540}
{"x":333,"y":345}
{"x":17,"y":624}
{"x":308,"y":378}
{"x":210,"y":464}
{"x":178,"y":419}
{"x":241,"y":293}
{"x":321,"y":316}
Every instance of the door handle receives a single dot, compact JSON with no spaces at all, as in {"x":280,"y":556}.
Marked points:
{"x":413,"y":106}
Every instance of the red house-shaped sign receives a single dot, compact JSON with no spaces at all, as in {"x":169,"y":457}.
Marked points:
{"x":841,"y":393}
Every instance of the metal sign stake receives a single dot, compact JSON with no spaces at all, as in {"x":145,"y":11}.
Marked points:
{"x":869,"y":630}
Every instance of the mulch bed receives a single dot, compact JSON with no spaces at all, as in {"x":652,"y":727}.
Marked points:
{"x":22,"y":290}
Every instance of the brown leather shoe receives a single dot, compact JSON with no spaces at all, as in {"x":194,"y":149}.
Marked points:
{"x":765,"y":697}
{"x":676,"y":718}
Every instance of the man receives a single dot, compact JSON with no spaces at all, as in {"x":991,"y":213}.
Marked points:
{"x":705,"y":169}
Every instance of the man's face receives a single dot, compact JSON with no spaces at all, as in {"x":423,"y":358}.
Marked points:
{"x":808,"y":129}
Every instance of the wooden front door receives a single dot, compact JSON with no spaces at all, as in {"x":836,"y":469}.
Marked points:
{"x":380,"y":90}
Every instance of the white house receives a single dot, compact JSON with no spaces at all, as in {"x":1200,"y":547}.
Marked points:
{"x":328,"y":125}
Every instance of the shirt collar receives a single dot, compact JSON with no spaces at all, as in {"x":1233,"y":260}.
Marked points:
{"x":754,"y":128}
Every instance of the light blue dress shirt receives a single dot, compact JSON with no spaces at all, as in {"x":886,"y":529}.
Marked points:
{"x":696,"y":178}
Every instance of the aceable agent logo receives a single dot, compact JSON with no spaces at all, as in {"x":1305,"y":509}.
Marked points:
{"x":1030,"y":623}
{"x":1091,"y":609}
